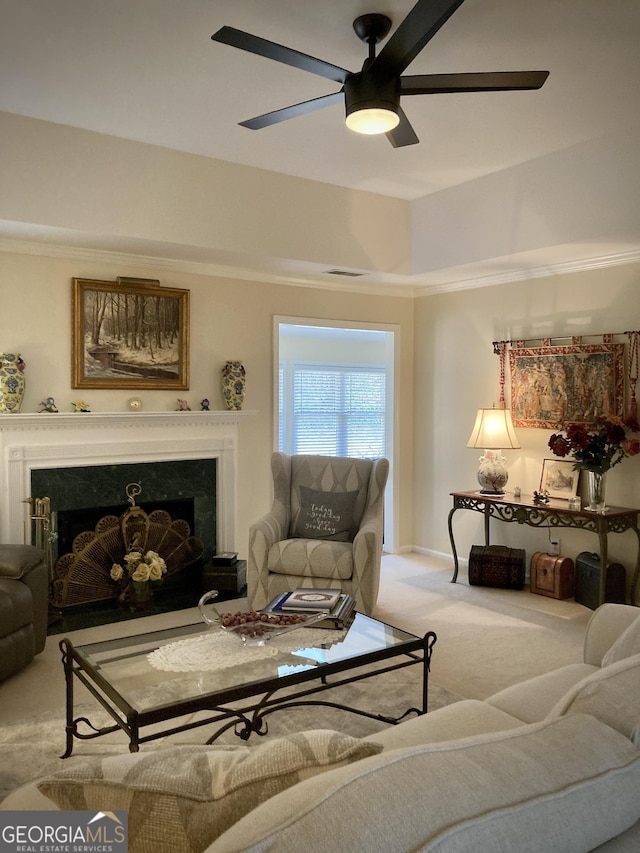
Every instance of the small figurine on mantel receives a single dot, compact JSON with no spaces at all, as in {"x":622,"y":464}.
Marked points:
{"x":49,"y":405}
{"x":80,"y":406}
{"x":183,"y":406}
{"x":204,"y":405}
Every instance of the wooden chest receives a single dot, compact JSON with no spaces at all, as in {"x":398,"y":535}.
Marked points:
{"x":552,"y":575}
{"x":497,"y":565}
{"x":588,"y":581}
{"x":225,"y":578}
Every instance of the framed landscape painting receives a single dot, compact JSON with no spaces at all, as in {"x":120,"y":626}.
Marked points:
{"x":129,"y":334}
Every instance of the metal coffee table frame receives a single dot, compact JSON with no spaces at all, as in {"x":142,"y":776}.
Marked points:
{"x":224,"y":705}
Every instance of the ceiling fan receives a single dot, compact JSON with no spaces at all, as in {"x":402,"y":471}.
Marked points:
{"x":372,"y":95}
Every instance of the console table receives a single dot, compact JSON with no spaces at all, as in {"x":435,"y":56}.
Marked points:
{"x":553,"y":514}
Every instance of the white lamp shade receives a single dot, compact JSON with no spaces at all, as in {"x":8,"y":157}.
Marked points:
{"x":493,"y":430}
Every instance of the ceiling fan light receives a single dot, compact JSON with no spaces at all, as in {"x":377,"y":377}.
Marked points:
{"x":372,"y":120}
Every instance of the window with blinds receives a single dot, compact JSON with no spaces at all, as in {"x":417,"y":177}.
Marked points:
{"x":332,"y":409}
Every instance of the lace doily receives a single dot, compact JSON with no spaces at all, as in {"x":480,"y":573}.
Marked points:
{"x":219,"y":650}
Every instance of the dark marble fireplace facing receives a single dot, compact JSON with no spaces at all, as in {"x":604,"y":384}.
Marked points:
{"x":80,"y":495}
{"x":103,"y":486}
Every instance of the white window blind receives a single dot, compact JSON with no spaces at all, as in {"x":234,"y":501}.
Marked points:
{"x":335,"y":410}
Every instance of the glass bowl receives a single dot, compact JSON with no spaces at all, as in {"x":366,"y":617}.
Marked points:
{"x":257,"y":630}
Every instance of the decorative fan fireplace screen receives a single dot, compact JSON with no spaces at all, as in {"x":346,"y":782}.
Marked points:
{"x":83,"y":576}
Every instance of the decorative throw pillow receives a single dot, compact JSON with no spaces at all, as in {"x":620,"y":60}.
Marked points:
{"x":183,"y":798}
{"x":325,"y":515}
{"x":627,"y":644}
{"x":611,"y":695}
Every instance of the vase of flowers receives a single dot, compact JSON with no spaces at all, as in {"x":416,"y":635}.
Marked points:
{"x":596,"y":451}
{"x":137,"y":577}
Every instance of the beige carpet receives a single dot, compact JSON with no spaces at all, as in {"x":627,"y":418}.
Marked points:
{"x":487,"y":640}
{"x":31,"y":749}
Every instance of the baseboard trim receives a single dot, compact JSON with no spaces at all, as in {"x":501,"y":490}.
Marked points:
{"x":463,"y":563}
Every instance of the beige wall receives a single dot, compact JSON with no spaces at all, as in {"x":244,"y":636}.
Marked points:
{"x":229,"y":319}
{"x":446,"y":375}
{"x":456,"y":372}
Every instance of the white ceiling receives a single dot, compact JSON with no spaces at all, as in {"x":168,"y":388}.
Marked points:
{"x":147,"y":70}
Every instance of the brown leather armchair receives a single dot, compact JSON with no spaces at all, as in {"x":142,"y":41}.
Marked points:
{"x":24,"y":605}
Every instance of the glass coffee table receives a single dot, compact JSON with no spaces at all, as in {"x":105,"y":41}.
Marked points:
{"x":133,"y":680}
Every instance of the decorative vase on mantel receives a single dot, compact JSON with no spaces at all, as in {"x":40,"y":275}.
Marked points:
{"x":597,"y":490}
{"x":233,"y":384}
{"x":11,"y":382}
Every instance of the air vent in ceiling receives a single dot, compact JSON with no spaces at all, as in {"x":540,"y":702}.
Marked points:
{"x":345,"y":272}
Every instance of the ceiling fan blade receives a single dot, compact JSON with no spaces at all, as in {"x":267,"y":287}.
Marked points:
{"x":271,"y":50}
{"x":403,"y":134}
{"x":485,"y":81}
{"x":294,"y":110}
{"x":418,"y":28}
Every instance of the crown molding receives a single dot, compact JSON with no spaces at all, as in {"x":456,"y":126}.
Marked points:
{"x":91,"y":255}
{"x":613,"y":259}
{"x":411,"y":289}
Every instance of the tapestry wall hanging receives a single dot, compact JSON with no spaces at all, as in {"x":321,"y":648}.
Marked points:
{"x":555,"y":385}
{"x":131,"y":333}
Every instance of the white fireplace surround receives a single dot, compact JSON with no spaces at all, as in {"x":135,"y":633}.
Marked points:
{"x":33,"y":441}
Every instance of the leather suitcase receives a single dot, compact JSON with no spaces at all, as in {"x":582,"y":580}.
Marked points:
{"x":552,"y":575}
{"x":588,"y":581}
{"x":497,"y":565}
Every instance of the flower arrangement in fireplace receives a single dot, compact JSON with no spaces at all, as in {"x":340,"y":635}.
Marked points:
{"x":138,"y":573}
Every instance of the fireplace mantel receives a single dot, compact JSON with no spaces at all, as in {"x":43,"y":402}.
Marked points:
{"x":87,"y":420}
{"x":48,"y":440}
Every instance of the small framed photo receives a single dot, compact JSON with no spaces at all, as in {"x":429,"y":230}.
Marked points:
{"x":559,"y":478}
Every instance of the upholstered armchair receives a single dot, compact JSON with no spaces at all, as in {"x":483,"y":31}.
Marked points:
{"x":24,"y":604}
{"x":324,"y":529}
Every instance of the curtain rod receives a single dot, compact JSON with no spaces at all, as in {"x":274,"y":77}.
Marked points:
{"x":548,"y":340}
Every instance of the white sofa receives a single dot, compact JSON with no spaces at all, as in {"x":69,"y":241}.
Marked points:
{"x":552,"y":764}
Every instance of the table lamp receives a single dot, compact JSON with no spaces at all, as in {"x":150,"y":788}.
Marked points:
{"x":493,"y":431}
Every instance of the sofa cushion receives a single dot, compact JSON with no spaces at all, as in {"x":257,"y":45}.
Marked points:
{"x":627,"y":644}
{"x":460,"y":719}
{"x":325,"y":515}
{"x":558,"y":786}
{"x":531,"y":700}
{"x":329,"y":474}
{"x":612,"y":695}
{"x":311,"y":558}
{"x":182,"y":798}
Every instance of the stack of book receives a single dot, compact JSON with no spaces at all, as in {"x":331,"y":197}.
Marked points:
{"x":224,"y":558}
{"x":338,"y":606}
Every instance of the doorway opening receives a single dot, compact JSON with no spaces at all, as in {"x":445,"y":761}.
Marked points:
{"x":334,"y":386}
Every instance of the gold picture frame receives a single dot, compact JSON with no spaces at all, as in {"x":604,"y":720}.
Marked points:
{"x":129,"y":334}
{"x":559,"y":478}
